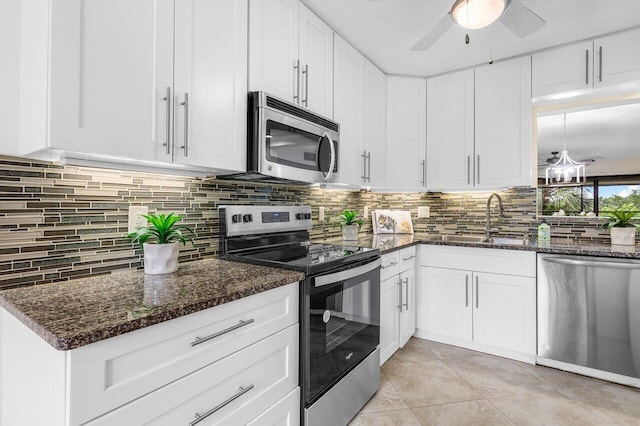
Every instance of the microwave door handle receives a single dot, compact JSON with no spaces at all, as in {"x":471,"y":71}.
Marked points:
{"x":333,"y":157}
{"x":338,"y":277}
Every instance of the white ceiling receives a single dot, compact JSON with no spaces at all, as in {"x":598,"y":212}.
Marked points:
{"x":385,"y":30}
{"x":612,"y":132}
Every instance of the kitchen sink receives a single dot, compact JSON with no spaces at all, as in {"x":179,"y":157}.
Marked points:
{"x":462,"y":238}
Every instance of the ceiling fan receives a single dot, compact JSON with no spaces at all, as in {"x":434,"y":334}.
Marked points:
{"x":475,"y":14}
{"x":555,"y":157}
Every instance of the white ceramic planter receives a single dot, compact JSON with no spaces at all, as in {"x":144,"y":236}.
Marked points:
{"x":161,"y":258}
{"x":350,"y":232}
{"x":623,"y":236}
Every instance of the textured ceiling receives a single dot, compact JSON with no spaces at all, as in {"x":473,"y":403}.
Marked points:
{"x":385,"y":30}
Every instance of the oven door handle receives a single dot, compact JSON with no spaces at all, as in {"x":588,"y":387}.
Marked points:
{"x":323,"y":280}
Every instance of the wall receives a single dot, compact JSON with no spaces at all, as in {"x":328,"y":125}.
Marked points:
{"x":61,"y":222}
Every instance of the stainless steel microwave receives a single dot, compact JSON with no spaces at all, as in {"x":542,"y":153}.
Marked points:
{"x":290,"y":143}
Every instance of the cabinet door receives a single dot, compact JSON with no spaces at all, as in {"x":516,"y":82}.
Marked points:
{"x":210,"y":84}
{"x":316,"y":62}
{"x":111,"y":66}
{"x":443,"y":303}
{"x":406,"y":133}
{"x":450,"y":131}
{"x":273,"y":48}
{"x":389,"y":318}
{"x":408,"y":302}
{"x":348,"y":109}
{"x":504,"y":313}
{"x":563,"y":70}
{"x":375,"y":129}
{"x":617,"y":59}
{"x":503,"y":124}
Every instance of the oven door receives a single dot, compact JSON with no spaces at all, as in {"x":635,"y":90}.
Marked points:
{"x":291,"y":148}
{"x":340,"y":322}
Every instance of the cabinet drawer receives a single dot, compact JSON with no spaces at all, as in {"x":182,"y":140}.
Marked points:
{"x":110,"y":373}
{"x":237,"y":388}
{"x":407,"y":259}
{"x":390,"y":265}
{"x":498,"y":261}
{"x":285,"y":412}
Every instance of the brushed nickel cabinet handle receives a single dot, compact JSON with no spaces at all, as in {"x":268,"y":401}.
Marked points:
{"x":406,"y":293}
{"x":468,"y":170}
{"x":220,"y":333}
{"x":296,"y":71}
{"x":305,"y":75}
{"x":477,"y":294}
{"x":587,"y":67}
{"x":600,"y":63}
{"x":185,"y":104}
{"x":201,"y":417}
{"x":424,"y":169}
{"x":389,"y":265}
{"x":369,"y":167}
{"x":364,"y":166}
{"x":167,"y":98}
{"x":478,"y":182}
{"x":400,"y":300}
{"x":408,"y":258}
{"x":466,"y":291}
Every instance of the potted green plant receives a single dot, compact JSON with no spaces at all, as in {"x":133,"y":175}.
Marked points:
{"x":161,"y":255}
{"x":350,"y":225}
{"x":623,"y":232}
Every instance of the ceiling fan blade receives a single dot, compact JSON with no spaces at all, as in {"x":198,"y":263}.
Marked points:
{"x":521,"y":20}
{"x":434,"y":34}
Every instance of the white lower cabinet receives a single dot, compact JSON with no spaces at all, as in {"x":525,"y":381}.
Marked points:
{"x":397,"y":301}
{"x":240,"y":358}
{"x":492,"y":309}
{"x":285,"y":412}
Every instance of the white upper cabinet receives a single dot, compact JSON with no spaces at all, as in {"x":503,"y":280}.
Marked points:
{"x":562,"y":70}
{"x":605,"y":62}
{"x":617,"y":59}
{"x":136,"y":81}
{"x":108,"y":74}
{"x":349,"y":109}
{"x":316,"y":62}
{"x":291,"y":54}
{"x":373,"y":164}
{"x":450,"y":131}
{"x":210,"y":89}
{"x":406,"y":133}
{"x":503,"y":133}
{"x":273,"y":46}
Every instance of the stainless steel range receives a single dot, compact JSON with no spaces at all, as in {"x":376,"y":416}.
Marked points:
{"x":339,"y":305}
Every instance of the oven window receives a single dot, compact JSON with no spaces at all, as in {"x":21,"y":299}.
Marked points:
{"x":293,"y":147}
{"x":344,"y":322}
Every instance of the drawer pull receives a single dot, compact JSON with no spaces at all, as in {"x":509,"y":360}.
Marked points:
{"x":201,"y":417}
{"x":220,"y":333}
{"x":389,"y":265}
{"x":408,"y":258}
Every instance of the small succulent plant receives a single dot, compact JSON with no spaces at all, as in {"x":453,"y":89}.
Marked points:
{"x":163,"y":229}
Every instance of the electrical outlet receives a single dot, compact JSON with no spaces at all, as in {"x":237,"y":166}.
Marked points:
{"x":321,"y":214}
{"x":135,"y":217}
{"x":366,"y":212}
{"x":424,"y":212}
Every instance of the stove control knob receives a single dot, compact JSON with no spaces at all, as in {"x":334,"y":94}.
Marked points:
{"x":299,"y":216}
{"x":247,"y":218}
{"x":307,"y":215}
{"x":236,"y":218}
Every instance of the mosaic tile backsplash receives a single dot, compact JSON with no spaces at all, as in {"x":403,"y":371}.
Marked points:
{"x":61,"y":222}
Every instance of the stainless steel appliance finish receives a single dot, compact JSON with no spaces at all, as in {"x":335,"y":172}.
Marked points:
{"x":289,"y":143}
{"x":339,"y":305}
{"x":348,"y":396}
{"x":589,"y":316}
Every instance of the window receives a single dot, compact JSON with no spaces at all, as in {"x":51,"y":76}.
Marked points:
{"x":597,"y":195}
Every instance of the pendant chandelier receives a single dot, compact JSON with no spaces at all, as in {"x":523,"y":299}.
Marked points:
{"x":565,"y":171}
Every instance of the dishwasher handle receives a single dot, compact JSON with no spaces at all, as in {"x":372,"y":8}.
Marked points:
{"x":594,"y":263}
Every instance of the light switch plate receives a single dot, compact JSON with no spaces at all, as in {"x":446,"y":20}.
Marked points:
{"x":366,"y":212}
{"x":135,"y":217}
{"x":321,"y":214}
{"x":424,"y":212}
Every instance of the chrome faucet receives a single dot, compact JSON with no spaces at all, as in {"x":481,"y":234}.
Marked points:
{"x":487,"y":229}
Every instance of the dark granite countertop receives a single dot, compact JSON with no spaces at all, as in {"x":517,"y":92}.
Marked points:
{"x":75,"y":313}
{"x":389,"y":242}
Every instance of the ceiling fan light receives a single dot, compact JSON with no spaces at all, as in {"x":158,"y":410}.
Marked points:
{"x":475,"y":14}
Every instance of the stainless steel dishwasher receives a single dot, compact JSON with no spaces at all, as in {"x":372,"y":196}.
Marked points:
{"x":589,"y":316}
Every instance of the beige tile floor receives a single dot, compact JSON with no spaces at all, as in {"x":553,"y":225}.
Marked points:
{"x":428,"y":383}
